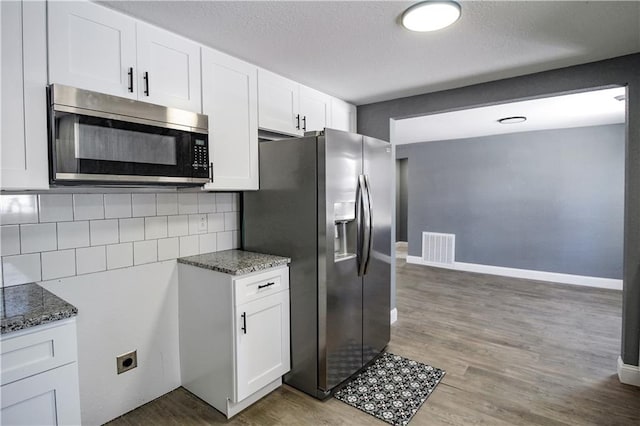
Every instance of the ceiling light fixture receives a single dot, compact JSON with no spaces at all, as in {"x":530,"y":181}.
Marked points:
{"x":512,"y":120}
{"x":431,"y":15}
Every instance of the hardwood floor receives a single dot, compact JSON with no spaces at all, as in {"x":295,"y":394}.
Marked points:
{"x":516,"y":352}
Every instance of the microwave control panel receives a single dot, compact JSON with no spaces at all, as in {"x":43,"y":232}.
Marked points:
{"x":200,"y":158}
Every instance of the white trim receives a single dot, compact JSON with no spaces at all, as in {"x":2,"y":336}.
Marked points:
{"x":394,"y":315}
{"x":555,"y":277}
{"x":628,"y":374}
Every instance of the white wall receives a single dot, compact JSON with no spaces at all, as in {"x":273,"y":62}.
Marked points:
{"x":120,"y":311}
{"x":112,"y":255}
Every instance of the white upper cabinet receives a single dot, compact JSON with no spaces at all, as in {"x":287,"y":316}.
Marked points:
{"x":343,"y":115}
{"x":314,"y":109}
{"x":278,"y":103}
{"x":23,"y":121}
{"x":230,"y":99}
{"x":92,"y":48}
{"x":168,"y":69}
{"x":95,"y":48}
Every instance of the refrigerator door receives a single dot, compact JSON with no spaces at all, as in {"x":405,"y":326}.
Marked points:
{"x":339,"y":287}
{"x":376,"y":288}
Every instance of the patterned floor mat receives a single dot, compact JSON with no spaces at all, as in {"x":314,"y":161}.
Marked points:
{"x":392,"y":388}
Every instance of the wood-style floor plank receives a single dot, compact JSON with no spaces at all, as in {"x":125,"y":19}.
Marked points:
{"x":516,"y":352}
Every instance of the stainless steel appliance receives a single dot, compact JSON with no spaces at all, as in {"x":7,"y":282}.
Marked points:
{"x":325,"y":201}
{"x":98,"y":138}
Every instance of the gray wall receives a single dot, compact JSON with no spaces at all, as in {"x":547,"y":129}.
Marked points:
{"x":402,"y":189}
{"x":549,"y":200}
{"x":373,"y":120}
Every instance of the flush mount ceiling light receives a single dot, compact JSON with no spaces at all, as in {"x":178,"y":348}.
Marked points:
{"x":512,"y":120}
{"x":430,"y":15}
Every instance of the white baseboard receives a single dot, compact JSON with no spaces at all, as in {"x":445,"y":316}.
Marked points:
{"x":394,"y":315}
{"x":628,"y":374}
{"x":555,"y":277}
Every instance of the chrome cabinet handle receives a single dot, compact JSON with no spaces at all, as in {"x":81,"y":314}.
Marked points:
{"x":298,"y":122}
{"x":244,"y":322}
{"x":304,"y":123}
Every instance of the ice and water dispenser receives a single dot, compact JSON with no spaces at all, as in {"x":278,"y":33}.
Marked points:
{"x":345,"y":230}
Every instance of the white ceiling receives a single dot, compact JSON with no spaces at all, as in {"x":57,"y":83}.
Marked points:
{"x":357,"y":51}
{"x":575,"y":110}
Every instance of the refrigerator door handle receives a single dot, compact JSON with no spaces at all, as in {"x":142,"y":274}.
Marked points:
{"x":359,"y":229}
{"x":364,"y":225}
{"x":369,"y":223}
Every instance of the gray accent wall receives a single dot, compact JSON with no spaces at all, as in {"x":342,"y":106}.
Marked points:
{"x":374,"y":120}
{"x":402,"y":188}
{"x":548,"y":200}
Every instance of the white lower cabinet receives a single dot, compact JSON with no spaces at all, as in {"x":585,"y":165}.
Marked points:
{"x":234,"y":335}
{"x":40,"y":376}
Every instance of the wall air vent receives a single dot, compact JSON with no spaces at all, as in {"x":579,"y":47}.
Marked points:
{"x":438,"y":248}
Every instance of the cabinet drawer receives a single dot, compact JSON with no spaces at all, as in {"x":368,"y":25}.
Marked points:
{"x":260,"y":285}
{"x":28,"y":352}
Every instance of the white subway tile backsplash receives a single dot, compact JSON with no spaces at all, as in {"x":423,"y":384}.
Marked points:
{"x":56,"y":207}
{"x":207,"y":243}
{"x":145,"y":252}
{"x":103,"y":232}
{"x":215,"y":222}
{"x":58,"y":264}
{"x":224,"y":240}
{"x":155,"y":227}
{"x":143,"y":204}
{"x":21,"y":269}
{"x":9,"y":240}
{"x":131,"y":229}
{"x":91,"y":259}
{"x":236,"y":237}
{"x":51,"y":235}
{"x":189,"y":245}
{"x":117,"y":206}
{"x":206,"y":202}
{"x":197,"y":224}
{"x":168,"y":248}
{"x":16,"y":209}
{"x":88,"y":206}
{"x":231,"y":221}
{"x":178,"y":225}
{"x":35,"y":238}
{"x":73,"y":234}
{"x":167,"y":204}
{"x":224,"y":202}
{"x":119,"y":255}
{"x":187,"y":203}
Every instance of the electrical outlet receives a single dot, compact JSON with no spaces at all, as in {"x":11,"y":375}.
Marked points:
{"x":126,"y":362}
{"x":202,"y":224}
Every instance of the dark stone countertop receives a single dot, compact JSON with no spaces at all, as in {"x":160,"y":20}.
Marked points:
{"x":235,"y":262}
{"x":28,"y":305}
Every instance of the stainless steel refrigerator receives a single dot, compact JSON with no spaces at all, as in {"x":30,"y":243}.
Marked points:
{"x":325,"y":201}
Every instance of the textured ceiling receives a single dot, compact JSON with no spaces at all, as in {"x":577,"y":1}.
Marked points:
{"x":584,"y":109}
{"x":356,"y":50}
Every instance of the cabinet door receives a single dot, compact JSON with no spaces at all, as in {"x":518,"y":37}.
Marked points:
{"x":262,"y":343}
{"x":92,"y":47}
{"x":343,"y":116}
{"x":48,"y":398}
{"x":23,"y":120}
{"x":314,"y":108}
{"x":278,"y":104}
{"x":230,"y":99}
{"x":168,"y":69}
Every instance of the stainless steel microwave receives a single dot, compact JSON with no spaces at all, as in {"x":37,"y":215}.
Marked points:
{"x":102,"y":139}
